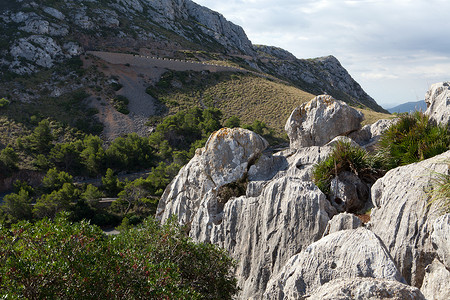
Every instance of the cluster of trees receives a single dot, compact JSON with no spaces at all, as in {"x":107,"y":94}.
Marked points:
{"x":159,"y":156}
{"x":63,"y":260}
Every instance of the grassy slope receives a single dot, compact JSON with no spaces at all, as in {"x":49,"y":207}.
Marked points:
{"x":244,"y":95}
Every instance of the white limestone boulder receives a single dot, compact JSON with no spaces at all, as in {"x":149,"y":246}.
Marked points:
{"x":402,"y":218}
{"x":343,"y":254}
{"x":320,"y":120}
{"x":226,"y":157}
{"x":366,"y":289}
{"x":438,"y":102}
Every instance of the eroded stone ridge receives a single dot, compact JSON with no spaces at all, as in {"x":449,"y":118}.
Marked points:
{"x":226,"y":157}
{"x":343,"y":254}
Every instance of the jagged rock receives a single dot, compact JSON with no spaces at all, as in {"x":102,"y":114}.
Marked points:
{"x":42,"y":50}
{"x":366,"y":289}
{"x":73,"y":49}
{"x":342,"y":221}
{"x":441,"y":239}
{"x":225,"y":158}
{"x":438,"y":102}
{"x":83,"y":20}
{"x":263,"y":232}
{"x":348,"y":193}
{"x":319,"y":121}
{"x":369,"y":135}
{"x":343,"y":254}
{"x":436,"y":282}
{"x":402,"y":218}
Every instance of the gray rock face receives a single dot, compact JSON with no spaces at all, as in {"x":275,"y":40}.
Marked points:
{"x":441,"y":239}
{"x":436,"y":282}
{"x":369,"y":135}
{"x":349,"y":193}
{"x":225,"y":158}
{"x":401,"y":217}
{"x":343,"y":254}
{"x":366,"y":289}
{"x":438,"y":102}
{"x":42,"y":50}
{"x":335,"y":118}
{"x":342,"y":221}
{"x":263,"y":232}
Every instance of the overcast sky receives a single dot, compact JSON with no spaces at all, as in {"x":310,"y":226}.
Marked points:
{"x":394,"y":48}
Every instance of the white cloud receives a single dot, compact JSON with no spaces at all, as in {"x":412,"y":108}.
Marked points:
{"x":385,"y":42}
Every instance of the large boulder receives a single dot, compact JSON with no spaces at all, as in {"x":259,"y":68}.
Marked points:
{"x":226,"y":158}
{"x":366,"y":289}
{"x":320,"y":120}
{"x":343,"y":254}
{"x":438,"y":102}
{"x":263,"y":232}
{"x":402,"y":217}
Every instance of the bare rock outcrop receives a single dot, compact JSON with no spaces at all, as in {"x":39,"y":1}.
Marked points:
{"x":343,"y":254}
{"x":441,"y":239}
{"x":319,"y":121}
{"x":402,"y":218}
{"x":366,"y":289}
{"x":369,"y":135}
{"x":263,"y":232}
{"x":342,"y":221}
{"x":438,"y":102}
{"x":436,"y":282}
{"x":226,"y":158}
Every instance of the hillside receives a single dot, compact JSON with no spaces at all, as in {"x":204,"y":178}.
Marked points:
{"x":42,"y":43}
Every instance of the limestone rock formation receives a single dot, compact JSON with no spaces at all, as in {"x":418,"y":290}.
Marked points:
{"x":436,"y":282}
{"x":343,"y":254}
{"x":441,"y":239}
{"x":349,"y":193}
{"x":335,"y":118}
{"x":263,"y":232}
{"x":226,"y":157}
{"x":342,"y":221}
{"x":402,"y":218}
{"x":366,"y":289}
{"x":438,"y":102}
{"x":369,"y":135}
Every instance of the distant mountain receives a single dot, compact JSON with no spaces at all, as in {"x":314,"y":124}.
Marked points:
{"x":409,"y":107}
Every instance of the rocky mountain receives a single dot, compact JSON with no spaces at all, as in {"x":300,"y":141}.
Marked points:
{"x":293,"y":242}
{"x":40,"y":35}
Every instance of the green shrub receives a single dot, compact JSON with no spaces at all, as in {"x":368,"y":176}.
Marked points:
{"x":413,"y":138}
{"x":346,"y":157}
{"x":120,"y":103}
{"x":63,"y":260}
{"x":4,"y":102}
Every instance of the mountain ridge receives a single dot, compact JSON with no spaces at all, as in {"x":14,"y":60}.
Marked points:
{"x":42,"y":35}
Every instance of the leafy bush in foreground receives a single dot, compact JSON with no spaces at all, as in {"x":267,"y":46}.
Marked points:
{"x":61,"y":260}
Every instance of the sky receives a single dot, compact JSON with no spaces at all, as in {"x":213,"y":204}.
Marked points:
{"x":395,"y":49}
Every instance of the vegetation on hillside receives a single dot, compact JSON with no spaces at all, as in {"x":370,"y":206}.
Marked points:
{"x":246,"y":96}
{"x":64,"y":260}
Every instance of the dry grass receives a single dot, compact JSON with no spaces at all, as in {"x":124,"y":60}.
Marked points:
{"x":371,"y":116}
